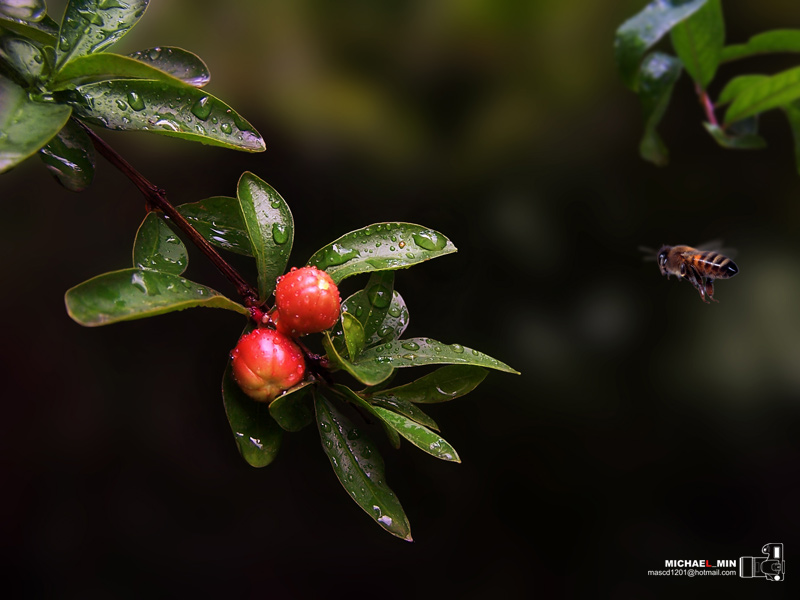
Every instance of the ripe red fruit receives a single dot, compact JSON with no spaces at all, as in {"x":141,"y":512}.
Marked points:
{"x":265,"y":363}
{"x":307,"y":301}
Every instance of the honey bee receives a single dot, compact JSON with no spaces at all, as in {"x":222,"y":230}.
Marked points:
{"x":698,"y":267}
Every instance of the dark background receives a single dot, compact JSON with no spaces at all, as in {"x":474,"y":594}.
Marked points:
{"x":646,"y":426}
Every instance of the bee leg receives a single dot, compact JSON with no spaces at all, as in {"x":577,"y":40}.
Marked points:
{"x":697,"y":281}
{"x":710,"y":290}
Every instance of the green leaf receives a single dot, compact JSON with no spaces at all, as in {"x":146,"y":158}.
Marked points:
{"x":371,"y":305}
{"x":403,"y":407}
{"x":777,"y":40}
{"x":24,"y":57}
{"x":359,"y":468}
{"x":772,"y":92}
{"x":69,"y":156}
{"x":737,"y":85}
{"x":380,"y":247}
{"x":419,"y":351}
{"x":173,"y":109}
{"x":158,"y":248}
{"x":698,"y":41}
{"x":353,"y":335}
{"x":734,"y":141}
{"x":639,"y":33}
{"x":219,"y":220}
{"x":292,"y":410}
{"x":25,"y":10}
{"x":257,"y":434}
{"x":104,"y":66}
{"x":383,"y":325}
{"x":445,"y":383}
{"x":25,"y":125}
{"x":656,"y":80}
{"x":419,"y":435}
{"x":92,"y":26}
{"x":270,"y":226}
{"x":139,"y":293}
{"x":371,"y":373}
{"x":180,"y":63}
{"x":792,"y":112}
{"x":43,"y":32}
{"x":353,"y":398}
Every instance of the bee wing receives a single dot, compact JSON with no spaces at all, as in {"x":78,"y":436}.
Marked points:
{"x":648,"y":254}
{"x":717,"y":245}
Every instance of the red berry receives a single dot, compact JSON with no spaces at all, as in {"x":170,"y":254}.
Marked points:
{"x":265,"y":363}
{"x":307,"y":301}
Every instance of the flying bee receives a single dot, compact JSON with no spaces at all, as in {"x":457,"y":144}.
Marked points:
{"x":698,"y":267}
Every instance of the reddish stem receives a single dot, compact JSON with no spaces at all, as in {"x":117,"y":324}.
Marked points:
{"x":156,"y":198}
{"x":708,"y":106}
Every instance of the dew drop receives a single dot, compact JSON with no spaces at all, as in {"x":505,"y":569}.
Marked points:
{"x":226,"y":128}
{"x":457,"y":348}
{"x":379,"y":296}
{"x":410,"y":346}
{"x":135,"y":101}
{"x":430,"y":240}
{"x":280,"y":234}
{"x":202,"y":108}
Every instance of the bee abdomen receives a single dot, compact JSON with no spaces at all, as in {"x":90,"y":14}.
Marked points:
{"x":715,"y":265}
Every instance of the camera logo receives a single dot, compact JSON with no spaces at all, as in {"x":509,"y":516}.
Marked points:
{"x":772,"y":566}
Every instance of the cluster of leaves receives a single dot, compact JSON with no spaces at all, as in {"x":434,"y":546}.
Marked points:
{"x":697,"y":33}
{"x":52,"y":76}
{"x":366,"y":343}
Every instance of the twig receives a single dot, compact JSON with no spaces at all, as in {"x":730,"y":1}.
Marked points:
{"x":708,"y":106}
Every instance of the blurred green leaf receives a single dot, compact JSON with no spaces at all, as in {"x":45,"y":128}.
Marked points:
{"x":270,"y":226}
{"x":729,"y":139}
{"x":92,"y":26}
{"x":105,"y":66}
{"x":636,"y":35}
{"x":792,"y":112}
{"x":173,"y":109}
{"x":257,"y":435}
{"x":359,"y":468}
{"x":777,"y":40}
{"x":657,"y":78}
{"x":380,"y":247}
{"x":772,"y":92}
{"x":445,"y":383}
{"x":26,"y":10}
{"x":24,"y":57}
{"x":219,"y":220}
{"x":157,"y":247}
{"x":371,"y":373}
{"x":44,"y":31}
{"x":736,"y":85}
{"x":414,"y":352}
{"x":25,"y":125}
{"x":419,"y":435}
{"x":353,"y":332}
{"x":698,"y":42}
{"x":69,"y":156}
{"x":139,"y":293}
{"x":180,"y":63}
{"x":292,"y":410}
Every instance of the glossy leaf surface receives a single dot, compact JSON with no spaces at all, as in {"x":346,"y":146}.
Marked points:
{"x":219,"y":220}
{"x":105,"y":66}
{"x":369,"y":373}
{"x":70,"y":157}
{"x":768,"y":93}
{"x":177,"y":62}
{"x":157,"y":247}
{"x":26,"y":10}
{"x":270,"y":226}
{"x":419,"y":435}
{"x":25,"y":125}
{"x":173,"y":109}
{"x":371,"y":305}
{"x":139,"y":293}
{"x":257,"y":435}
{"x":380,"y":247}
{"x":24,"y":57}
{"x":698,"y":41}
{"x":657,"y":78}
{"x":445,"y":383}
{"x":353,"y":333}
{"x":92,"y":26}
{"x":359,"y":468}
{"x":777,"y":40}
{"x":44,"y":31}
{"x":293,"y":409}
{"x":365,"y":407}
{"x":639,"y":33}
{"x":403,"y":407}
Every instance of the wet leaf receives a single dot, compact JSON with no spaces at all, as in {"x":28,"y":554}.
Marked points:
{"x":367,"y":410}
{"x":219,"y":220}
{"x":24,"y":57}
{"x":368,"y":373}
{"x":25,"y":10}
{"x":419,"y":435}
{"x":139,"y":293}
{"x":270,"y":226}
{"x":657,"y":78}
{"x":380,"y":247}
{"x":777,"y":40}
{"x":445,"y":383}
{"x":104,"y":66}
{"x":639,"y":33}
{"x":292,"y":410}
{"x":92,"y":26}
{"x":157,"y":247}
{"x":25,"y":125}
{"x":359,"y":468}
{"x":180,"y":63}
{"x":371,"y":305}
{"x":698,"y":42}
{"x":257,"y":434}
{"x":404,"y":407}
{"x":44,"y":31}
{"x":765,"y":94}
{"x":353,"y":333}
{"x":69,"y":156}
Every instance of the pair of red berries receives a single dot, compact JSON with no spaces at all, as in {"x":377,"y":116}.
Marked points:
{"x":266,"y":362}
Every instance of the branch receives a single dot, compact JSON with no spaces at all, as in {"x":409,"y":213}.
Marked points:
{"x":157,"y":199}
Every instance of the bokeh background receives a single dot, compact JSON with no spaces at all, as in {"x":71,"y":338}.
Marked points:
{"x":645,"y":426}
